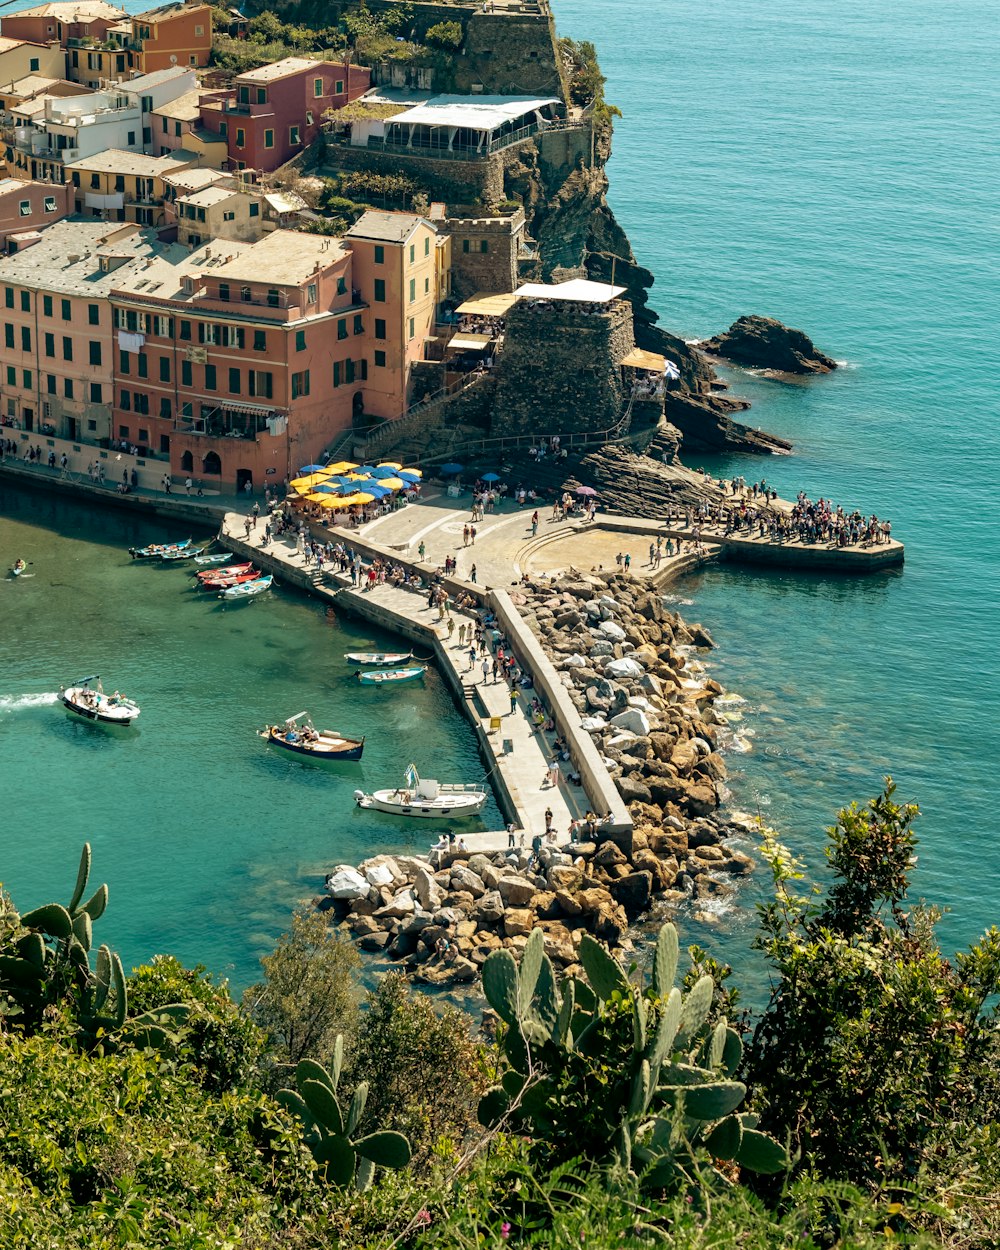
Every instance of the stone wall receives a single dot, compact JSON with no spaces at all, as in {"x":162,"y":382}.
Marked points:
{"x":510,"y":54}
{"x":494,"y":269}
{"x":559,"y":370}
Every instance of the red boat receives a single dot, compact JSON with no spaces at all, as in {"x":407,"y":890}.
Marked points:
{"x":232,"y":579}
{"x":230,"y":570}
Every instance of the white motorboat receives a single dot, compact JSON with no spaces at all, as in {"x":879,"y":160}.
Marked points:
{"x":420,"y":796}
{"x":88,"y":700}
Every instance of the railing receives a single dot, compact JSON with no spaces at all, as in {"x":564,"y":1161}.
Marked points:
{"x":430,"y":152}
{"x":379,"y":435}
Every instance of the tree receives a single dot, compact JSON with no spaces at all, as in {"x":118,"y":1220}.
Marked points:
{"x":425,"y":1069}
{"x":876,"y":1052}
{"x":309,"y":993}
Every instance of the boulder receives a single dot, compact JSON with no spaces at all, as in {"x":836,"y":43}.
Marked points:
{"x":375,"y":942}
{"x":568,"y":903}
{"x":426,"y":889}
{"x":632,"y":719}
{"x":361,"y":926}
{"x":403,"y":904}
{"x":602,"y":647}
{"x":516,"y":890}
{"x":700,"y":800}
{"x":563,"y":878}
{"x":458,"y":972}
{"x":518,"y":921}
{"x":651,"y":684}
{"x":609,"y":853}
{"x":634,"y":892}
{"x":623,"y":668}
{"x":466,"y":880}
{"x":612,"y":631}
{"x":634,"y":790}
{"x":610,"y":923}
{"x":379,"y":874}
{"x":490,"y":907}
{"x":573,"y":661}
{"x":347,"y":883}
{"x":764,"y":343}
{"x":593,"y":724}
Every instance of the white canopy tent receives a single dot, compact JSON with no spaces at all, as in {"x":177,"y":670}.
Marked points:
{"x":466,"y":123}
{"x":577,"y":291}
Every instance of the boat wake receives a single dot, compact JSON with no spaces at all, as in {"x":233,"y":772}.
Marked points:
{"x":15,"y":702}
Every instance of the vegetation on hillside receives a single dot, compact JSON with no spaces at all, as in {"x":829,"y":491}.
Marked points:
{"x":860,"y":1109}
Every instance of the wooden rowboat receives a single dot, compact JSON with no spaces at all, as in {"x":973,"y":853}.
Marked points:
{"x":378,"y":657}
{"x":183,"y":553}
{"x":211,"y":574}
{"x":318,"y":745}
{"x":390,"y":675}
{"x":225,"y":581}
{"x":155,"y":551}
{"x":247,"y":590}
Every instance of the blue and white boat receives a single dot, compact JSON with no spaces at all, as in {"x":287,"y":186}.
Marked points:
{"x":389,"y":676}
{"x":247,"y":590}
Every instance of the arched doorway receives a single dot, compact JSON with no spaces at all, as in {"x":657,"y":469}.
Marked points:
{"x":187,"y":463}
{"x":244,"y":481}
{"x":211,"y":465}
{"x":359,"y":403}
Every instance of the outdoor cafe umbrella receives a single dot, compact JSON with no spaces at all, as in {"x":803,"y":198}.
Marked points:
{"x":303,"y":484}
{"x":378,"y":489}
{"x":389,"y":484}
{"x":363,"y":470}
{"x":324,"y":488}
{"x":363,"y":497}
{"x":388,"y":464}
{"x":342,"y":466}
{"x":409,"y":476}
{"x":312,"y":468}
{"x":586,"y":490}
{"x":385,"y":470}
{"x":348,"y":501}
{"x":491,"y":477}
{"x":347,"y":488}
{"x":449,"y":470}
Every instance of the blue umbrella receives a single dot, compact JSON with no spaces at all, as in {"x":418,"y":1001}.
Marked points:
{"x":312,"y":468}
{"x":491,"y":477}
{"x":324,"y":488}
{"x":349,"y":488}
{"x":384,"y":470}
{"x":373,"y":488}
{"x":449,"y":469}
{"x":366,"y":470}
{"x":405,"y":476}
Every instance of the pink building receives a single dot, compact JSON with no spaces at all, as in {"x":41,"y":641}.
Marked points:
{"x":26,"y":207}
{"x":278,"y":109}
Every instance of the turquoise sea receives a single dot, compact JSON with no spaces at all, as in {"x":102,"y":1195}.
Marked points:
{"x":836,"y":166}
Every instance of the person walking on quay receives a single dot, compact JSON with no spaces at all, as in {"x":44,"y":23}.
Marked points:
{"x":618,"y":559}
{"x":187,"y":485}
{"x":465,"y":536}
{"x":451,"y":627}
{"x":510,"y":834}
{"x":486,"y":669}
{"x":461,"y":634}
{"x":166,"y":483}
{"x":627,"y":562}
{"x":513,"y":700}
{"x":472,"y":535}
{"x":534,"y":523}
{"x":472,"y":575}
{"x":422,"y":551}
{"x":652,"y":555}
{"x":472,"y":657}
{"x":553,"y":774}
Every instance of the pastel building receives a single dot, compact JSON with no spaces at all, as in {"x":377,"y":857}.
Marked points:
{"x":277,"y":110}
{"x":124,"y":186}
{"x":173,"y":34}
{"x":64,"y":22}
{"x":235,"y":211}
{"x":26,"y":207}
{"x":177,"y":124}
{"x":19,"y":58}
{"x":74,"y":128}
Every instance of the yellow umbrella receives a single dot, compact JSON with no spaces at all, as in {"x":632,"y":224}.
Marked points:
{"x":317,"y":498}
{"x":346,"y":501}
{"x":361,"y":497}
{"x":415,"y":472}
{"x":392,"y":483}
{"x":342,"y":466}
{"x":303,"y":484}
{"x":388,"y":464}
{"x":327,"y":501}
{"x":358,"y":477}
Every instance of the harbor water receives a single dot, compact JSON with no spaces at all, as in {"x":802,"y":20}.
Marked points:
{"x":207,"y":837}
{"x":837,"y":169}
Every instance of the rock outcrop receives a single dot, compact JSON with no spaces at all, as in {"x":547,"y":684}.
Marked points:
{"x":764,"y":343}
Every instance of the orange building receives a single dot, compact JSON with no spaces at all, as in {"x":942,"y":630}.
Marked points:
{"x":65,"y":20}
{"x":174,"y":34}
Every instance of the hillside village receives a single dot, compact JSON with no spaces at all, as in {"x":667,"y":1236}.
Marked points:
{"x":226,"y":265}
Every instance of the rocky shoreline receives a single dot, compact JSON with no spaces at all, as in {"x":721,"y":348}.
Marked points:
{"x":630,"y":667}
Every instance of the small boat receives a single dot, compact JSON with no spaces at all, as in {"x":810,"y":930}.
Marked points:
{"x":218,"y":557}
{"x":18,"y":567}
{"x":424,"y":797}
{"x":225,"y":580}
{"x":247,"y":590}
{"x":88,"y":700}
{"x":185,"y":553}
{"x":211,"y":574}
{"x":155,"y":551}
{"x":314,"y":744}
{"x":378,"y":657}
{"x":390,"y":675}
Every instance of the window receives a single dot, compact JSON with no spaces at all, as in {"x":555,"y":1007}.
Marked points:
{"x":336,"y":373}
{"x":341,"y":285}
{"x":166,"y":126}
{"x":223,"y":128}
{"x":379,"y":290}
{"x":359,"y":325}
{"x":254,"y":209}
{"x":318,"y":87}
{"x":68,"y":388}
{"x":131,"y":138}
{"x":140,"y":403}
{"x":9,"y":297}
{"x":210,"y":380}
{"x":293,"y":136}
{"x":273,"y":298}
{"x":413,"y":252}
{"x":259,"y":341}
{"x":67,"y":346}
{"x":50,"y":383}
{"x":95,"y":353}
{"x":96,"y":393}
{"x":300,"y":340}
{"x":311,"y":293}
{"x":241,"y":139}
{"x":341,"y":329}
{"x":8,"y":335}
{"x":11,"y":376}
{"x":125,"y":403}
{"x":261,"y":95}
{"x":484,"y":245}
{"x":25,"y":339}
{"x":94,"y":314}
{"x":24,"y":208}
{"x":261,"y":384}
{"x":25,"y":301}
{"x":300,"y":384}
{"x":199,"y":32}
{"x":348,"y":371}
{"x":465,"y":245}
{"x":380,"y":360}
{"x":234,"y":381}
{"x":186,"y":373}
{"x":66,"y":310}
{"x":164,"y":368}
{"x":427,"y":245}
{"x":143,"y":436}
{"x":33,"y":65}
{"x":27,"y":379}
{"x":75,"y":179}
{"x":120,"y":182}
{"x":309,"y":117}
{"x":245,"y":294}
{"x":338,"y":87}
{"x":143,"y":360}
{"x":186,"y":330}
{"x":47,"y":305}
{"x":166,"y":409}
{"x":412,"y":329}
{"x":126,"y":364}
{"x":228,"y":216}
{"x":269,"y":138}
{"x":379,"y":254}
{"x":379,"y":328}
{"x":50,"y":203}
{"x":427,"y":286}
{"x":224,"y":291}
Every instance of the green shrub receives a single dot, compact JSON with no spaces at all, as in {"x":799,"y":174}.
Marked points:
{"x":448,"y":35}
